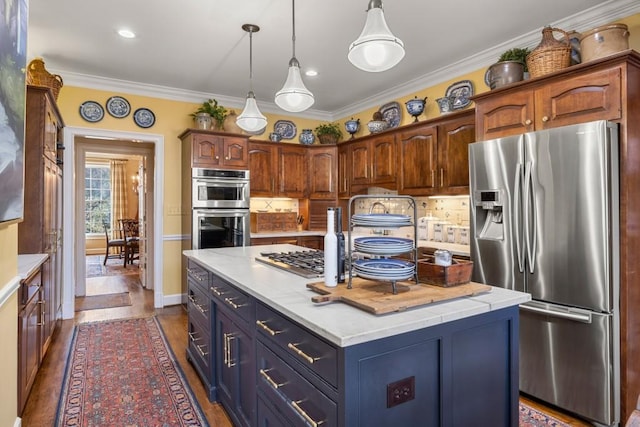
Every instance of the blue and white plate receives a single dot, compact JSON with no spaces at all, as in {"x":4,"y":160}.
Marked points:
{"x":382,"y":245}
{"x":381,"y":220}
{"x":285,"y":128}
{"x":118,"y":107}
{"x":144,"y":117}
{"x":91,"y":111}
{"x":384,"y":269}
{"x":392,"y":114}
{"x":460,"y":92}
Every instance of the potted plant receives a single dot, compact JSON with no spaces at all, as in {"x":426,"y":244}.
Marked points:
{"x":510,"y":68}
{"x":328,"y":133}
{"x":213,"y":111}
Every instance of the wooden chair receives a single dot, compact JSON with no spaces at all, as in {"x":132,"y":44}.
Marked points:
{"x":132,"y":239}
{"x":116,"y":242}
{"x":634,"y":418}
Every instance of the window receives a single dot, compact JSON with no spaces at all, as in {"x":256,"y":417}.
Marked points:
{"x":97,"y":197}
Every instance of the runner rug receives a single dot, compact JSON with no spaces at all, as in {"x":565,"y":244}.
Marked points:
{"x":123,"y":373}
{"x":530,"y":417}
{"x":93,"y":302}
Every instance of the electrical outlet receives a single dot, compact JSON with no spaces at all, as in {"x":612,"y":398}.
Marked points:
{"x":401,"y":391}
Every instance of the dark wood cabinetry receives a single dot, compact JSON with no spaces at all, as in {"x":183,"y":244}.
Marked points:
{"x":373,"y":162}
{"x":344,"y":180}
{"x":433,"y":156}
{"x":603,"y":89}
{"x":30,"y":317}
{"x":41,"y":230}
{"x":214,"y":150}
{"x":311,"y":242}
{"x":278,"y":170}
{"x":323,"y":172}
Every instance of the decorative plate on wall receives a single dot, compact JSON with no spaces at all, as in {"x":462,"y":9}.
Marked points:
{"x":392,"y":114}
{"x":91,"y":111}
{"x":144,"y":117}
{"x":285,"y":128}
{"x":460,"y":92}
{"x":118,"y":107}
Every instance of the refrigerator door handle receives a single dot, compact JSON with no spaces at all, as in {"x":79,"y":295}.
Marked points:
{"x":517,"y":212}
{"x":534,"y":223}
{"x":527,"y":212}
{"x":568,"y":314}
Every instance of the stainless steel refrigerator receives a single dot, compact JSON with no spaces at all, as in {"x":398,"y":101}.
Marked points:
{"x":544,"y":220}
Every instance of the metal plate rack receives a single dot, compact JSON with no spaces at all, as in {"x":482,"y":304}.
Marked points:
{"x":411,"y":207}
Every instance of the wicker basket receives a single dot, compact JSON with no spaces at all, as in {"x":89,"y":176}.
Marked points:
{"x":550,"y":55}
{"x":37,"y":75}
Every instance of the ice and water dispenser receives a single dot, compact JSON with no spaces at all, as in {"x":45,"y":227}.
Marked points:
{"x":488,"y":214}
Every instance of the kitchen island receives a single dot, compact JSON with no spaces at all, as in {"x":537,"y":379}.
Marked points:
{"x":273,"y":357}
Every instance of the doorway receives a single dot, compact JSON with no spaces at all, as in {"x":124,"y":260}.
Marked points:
{"x":150,"y":149}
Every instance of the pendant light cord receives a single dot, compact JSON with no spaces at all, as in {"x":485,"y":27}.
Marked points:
{"x":251,"y":59}
{"x":293,"y":25}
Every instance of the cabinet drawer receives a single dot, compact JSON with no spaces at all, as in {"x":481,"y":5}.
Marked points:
{"x":233,"y":299}
{"x":299,"y":401}
{"x":30,"y":287}
{"x":198,"y":273}
{"x":199,"y":304}
{"x":200,"y":347}
{"x":268,"y":417}
{"x":308,"y":349}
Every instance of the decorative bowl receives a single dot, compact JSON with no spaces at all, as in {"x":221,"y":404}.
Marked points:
{"x":415,"y":107}
{"x":307,"y":137}
{"x":376,"y":126}
{"x":275,"y":137}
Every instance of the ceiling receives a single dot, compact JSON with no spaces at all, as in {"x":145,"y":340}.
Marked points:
{"x":195,"y":49}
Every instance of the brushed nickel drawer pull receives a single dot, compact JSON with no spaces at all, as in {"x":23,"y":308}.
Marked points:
{"x":216,"y":291}
{"x":202,"y":353}
{"x":192,"y":337}
{"x":263,"y":325}
{"x":198,"y":306}
{"x":227,"y":339}
{"x":270,"y":380}
{"x":233,"y":304}
{"x":302,"y":353}
{"x":296,"y":406}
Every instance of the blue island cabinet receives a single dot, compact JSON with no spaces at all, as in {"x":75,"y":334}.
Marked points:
{"x":460,"y":373}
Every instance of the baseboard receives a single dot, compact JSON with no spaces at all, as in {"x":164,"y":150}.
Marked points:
{"x":175,"y":299}
{"x":18,"y":422}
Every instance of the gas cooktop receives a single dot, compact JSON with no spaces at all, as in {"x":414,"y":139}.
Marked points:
{"x":308,"y":264}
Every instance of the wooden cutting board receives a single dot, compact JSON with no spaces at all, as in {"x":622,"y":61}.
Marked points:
{"x":377,"y":297}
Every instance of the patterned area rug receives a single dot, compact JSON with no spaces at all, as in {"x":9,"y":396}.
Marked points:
{"x":114,"y":267}
{"x":530,"y":417}
{"x":123,"y":373}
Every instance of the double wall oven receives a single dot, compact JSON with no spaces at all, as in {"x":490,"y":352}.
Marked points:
{"x":220,"y":203}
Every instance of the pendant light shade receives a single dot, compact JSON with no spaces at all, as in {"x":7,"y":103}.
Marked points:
{"x":294,"y":96}
{"x":251,"y":119}
{"x":377,"y":49}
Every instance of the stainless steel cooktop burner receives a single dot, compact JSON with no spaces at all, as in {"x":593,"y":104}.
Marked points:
{"x":308,"y":264}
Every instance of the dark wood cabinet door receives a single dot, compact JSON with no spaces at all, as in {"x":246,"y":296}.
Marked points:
{"x":344,"y":183}
{"x":263,"y":169}
{"x":594,"y":96}
{"x":206,"y":151}
{"x":359,"y":170}
{"x":292,"y":164}
{"x":322,"y":172}
{"x":510,"y":114}
{"x":453,"y":154}
{"x":235,"y":152}
{"x":383,"y":160}
{"x":418,"y":160}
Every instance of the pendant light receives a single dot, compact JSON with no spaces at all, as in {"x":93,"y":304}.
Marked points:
{"x":377,"y":49}
{"x":294,"y":96}
{"x":251,"y":120}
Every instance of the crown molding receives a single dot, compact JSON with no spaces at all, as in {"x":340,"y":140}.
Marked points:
{"x":598,"y":15}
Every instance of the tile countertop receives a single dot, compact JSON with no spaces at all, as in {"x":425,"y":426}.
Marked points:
{"x":28,"y":263}
{"x":339,"y":323}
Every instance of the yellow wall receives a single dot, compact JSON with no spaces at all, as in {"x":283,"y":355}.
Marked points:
{"x":9,"y":330}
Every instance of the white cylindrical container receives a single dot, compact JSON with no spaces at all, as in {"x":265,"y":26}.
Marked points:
{"x":331,"y":251}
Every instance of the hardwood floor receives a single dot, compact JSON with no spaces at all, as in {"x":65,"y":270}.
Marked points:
{"x":40,"y":410}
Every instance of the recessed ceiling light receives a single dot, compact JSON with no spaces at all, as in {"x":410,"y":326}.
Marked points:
{"x":127,"y":34}
{"x":311,"y":73}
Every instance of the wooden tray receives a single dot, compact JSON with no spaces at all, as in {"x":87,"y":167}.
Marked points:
{"x":376,"y":297}
{"x":457,"y":273}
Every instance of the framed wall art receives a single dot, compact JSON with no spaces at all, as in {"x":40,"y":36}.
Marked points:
{"x":13,"y":62}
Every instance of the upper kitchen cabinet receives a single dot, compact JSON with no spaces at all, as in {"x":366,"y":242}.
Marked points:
{"x":372,"y":163}
{"x":278,"y":170}
{"x":579,"y":94}
{"x":215,"y":150}
{"x":433,"y":156}
{"x":323,"y":170}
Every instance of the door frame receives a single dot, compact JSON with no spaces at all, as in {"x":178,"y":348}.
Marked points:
{"x":73,"y":248}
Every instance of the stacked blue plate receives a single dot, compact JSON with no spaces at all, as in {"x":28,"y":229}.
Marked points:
{"x":384,"y":269}
{"x":381,"y":220}
{"x":382,"y":245}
